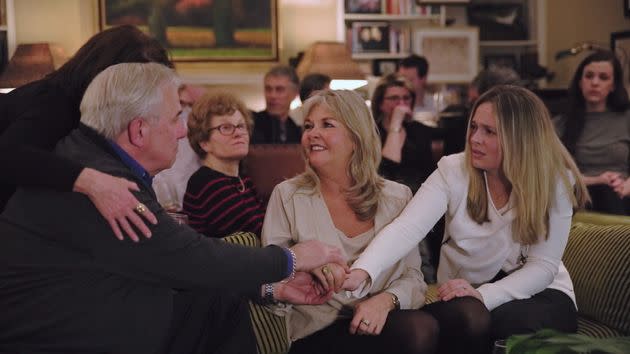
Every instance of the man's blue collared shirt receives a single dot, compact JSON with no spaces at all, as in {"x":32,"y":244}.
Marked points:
{"x":130,"y":162}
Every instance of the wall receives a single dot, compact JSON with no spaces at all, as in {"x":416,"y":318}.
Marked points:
{"x":573,"y":21}
{"x":69,"y":23}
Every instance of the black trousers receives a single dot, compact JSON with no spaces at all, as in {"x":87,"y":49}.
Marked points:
{"x":549,"y":308}
{"x":216,"y":322}
{"x":605,"y":200}
{"x":466,"y":325}
{"x":405,"y":331}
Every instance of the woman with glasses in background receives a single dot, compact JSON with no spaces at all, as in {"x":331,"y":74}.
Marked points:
{"x":218,"y":200}
{"x":407,"y":157}
{"x":406,"y":152}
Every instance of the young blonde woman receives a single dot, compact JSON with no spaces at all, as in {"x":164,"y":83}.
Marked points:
{"x":508,"y":201}
{"x":342,"y":201}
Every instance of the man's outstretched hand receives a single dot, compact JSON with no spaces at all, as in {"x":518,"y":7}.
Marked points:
{"x":304,"y":289}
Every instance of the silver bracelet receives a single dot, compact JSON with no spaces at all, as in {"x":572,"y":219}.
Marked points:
{"x":293,"y":270}
{"x":268,"y":297}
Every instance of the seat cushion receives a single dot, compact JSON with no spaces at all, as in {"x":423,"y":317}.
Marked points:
{"x":595,"y":329}
{"x":598,"y":260}
{"x":270,"y":330}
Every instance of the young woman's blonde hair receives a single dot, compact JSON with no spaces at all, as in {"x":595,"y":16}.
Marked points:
{"x":533,"y":159}
{"x":349,"y":109}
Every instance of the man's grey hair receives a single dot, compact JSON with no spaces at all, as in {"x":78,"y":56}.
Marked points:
{"x":286,"y":71}
{"x":489,"y":78}
{"x":123,"y":92}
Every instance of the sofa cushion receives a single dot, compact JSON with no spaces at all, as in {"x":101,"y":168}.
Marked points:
{"x":595,"y":329}
{"x":270,"y":330}
{"x":598,"y":260}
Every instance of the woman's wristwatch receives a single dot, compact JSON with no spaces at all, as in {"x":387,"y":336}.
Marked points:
{"x":395,"y":301}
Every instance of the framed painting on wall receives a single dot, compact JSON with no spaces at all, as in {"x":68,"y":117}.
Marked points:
{"x":452,"y":53}
{"x":202,"y":30}
{"x":620,"y":45}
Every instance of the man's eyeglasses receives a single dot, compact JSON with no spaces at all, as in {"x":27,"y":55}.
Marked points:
{"x":406,"y":98}
{"x":228,"y":129}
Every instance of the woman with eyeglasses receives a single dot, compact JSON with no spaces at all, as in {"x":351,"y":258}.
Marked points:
{"x":406,"y":153}
{"x":407,"y":157}
{"x":218,"y":200}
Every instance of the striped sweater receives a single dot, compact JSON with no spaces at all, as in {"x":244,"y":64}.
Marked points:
{"x":217,"y":205}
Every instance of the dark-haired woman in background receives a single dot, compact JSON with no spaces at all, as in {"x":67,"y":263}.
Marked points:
{"x":407,"y":157}
{"x":596,"y":130}
{"x":37,"y":115}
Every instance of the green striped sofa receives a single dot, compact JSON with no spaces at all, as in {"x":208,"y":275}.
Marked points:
{"x":598,"y":259}
{"x":270,"y":330}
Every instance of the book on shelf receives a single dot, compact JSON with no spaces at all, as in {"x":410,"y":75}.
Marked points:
{"x":409,"y":7}
{"x":390,"y":7}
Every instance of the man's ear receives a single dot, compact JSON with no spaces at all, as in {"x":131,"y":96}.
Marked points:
{"x":137,"y":131}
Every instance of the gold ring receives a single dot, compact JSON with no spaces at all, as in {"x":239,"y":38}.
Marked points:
{"x":364,"y":321}
{"x":140,"y":208}
{"x":325,"y":270}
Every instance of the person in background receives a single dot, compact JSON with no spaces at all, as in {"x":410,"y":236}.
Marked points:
{"x":415,"y":69}
{"x":219,"y":200}
{"x":407,"y":156}
{"x":274,"y":125}
{"x":508,"y":201}
{"x":37,"y":115}
{"x":170,"y":184}
{"x":310,"y":84}
{"x":406,"y":143}
{"x":313,"y":83}
{"x":177,"y":292}
{"x":342,"y":201}
{"x":456,"y":126}
{"x":596,"y":130}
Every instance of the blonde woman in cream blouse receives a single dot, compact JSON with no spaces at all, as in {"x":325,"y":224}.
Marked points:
{"x":508,"y":201}
{"x":341,"y":200}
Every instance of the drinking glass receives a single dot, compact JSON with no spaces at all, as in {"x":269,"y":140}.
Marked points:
{"x":500,"y":347}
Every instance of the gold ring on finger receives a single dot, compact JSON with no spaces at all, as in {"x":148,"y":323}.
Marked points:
{"x":364,"y":321}
{"x":140,"y":208}
{"x":325,"y":270}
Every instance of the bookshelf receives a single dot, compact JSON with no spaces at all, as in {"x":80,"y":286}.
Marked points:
{"x":384,"y":29}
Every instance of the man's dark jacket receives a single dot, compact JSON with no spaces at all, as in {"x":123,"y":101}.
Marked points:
{"x":67,"y":284}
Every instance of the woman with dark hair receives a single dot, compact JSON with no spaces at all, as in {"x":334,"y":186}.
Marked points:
{"x":406,"y":143}
{"x":596,"y":130}
{"x":406,"y":152}
{"x":37,"y":115}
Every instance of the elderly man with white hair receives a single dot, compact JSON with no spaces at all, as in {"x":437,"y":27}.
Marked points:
{"x":68,"y":286}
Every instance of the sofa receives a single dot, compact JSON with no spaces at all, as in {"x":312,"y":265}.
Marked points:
{"x":597,"y":257}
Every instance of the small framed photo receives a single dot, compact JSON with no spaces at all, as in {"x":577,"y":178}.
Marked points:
{"x":382,"y":67}
{"x":452,"y":52}
{"x":363,"y":6}
{"x":370,"y":37}
{"x":493,"y":61}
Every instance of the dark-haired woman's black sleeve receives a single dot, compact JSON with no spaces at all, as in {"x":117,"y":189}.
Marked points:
{"x":34,"y":120}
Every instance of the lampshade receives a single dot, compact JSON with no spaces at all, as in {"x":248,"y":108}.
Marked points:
{"x":332,"y":59}
{"x":29,"y":63}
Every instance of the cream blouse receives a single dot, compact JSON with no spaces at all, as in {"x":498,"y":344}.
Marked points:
{"x":297,"y":214}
